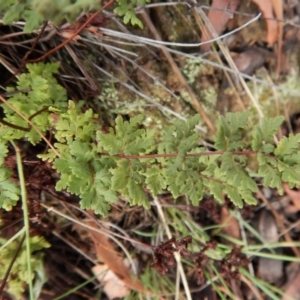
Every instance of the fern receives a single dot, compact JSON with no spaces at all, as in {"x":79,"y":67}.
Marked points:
{"x":263,"y":134}
{"x":126,"y":9}
{"x":230,"y":131}
{"x":35,"y":90}
{"x":9,"y":191}
{"x":135,"y":161}
{"x":128,"y":161}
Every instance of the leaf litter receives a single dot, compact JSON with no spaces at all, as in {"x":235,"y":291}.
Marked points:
{"x":65,"y":257}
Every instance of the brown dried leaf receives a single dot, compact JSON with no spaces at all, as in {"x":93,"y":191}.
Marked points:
{"x":231,"y":227}
{"x":67,"y":33}
{"x":218,"y":18}
{"x":112,"y":285}
{"x":293,"y":195}
{"x":266,"y":8}
{"x":292,"y":290}
{"x":112,"y":259}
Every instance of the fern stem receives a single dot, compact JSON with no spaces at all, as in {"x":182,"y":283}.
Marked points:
{"x":26,"y":219}
{"x":246,"y":152}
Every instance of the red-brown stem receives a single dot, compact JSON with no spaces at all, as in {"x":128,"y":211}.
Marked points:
{"x":145,"y":156}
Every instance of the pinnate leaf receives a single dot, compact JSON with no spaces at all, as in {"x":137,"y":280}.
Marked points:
{"x":127,"y":138}
{"x":3,"y":151}
{"x":230,"y":131}
{"x":13,"y":13}
{"x":9,"y":191}
{"x":248,"y":197}
{"x":264,"y":134}
{"x":292,"y":176}
{"x":120,"y":175}
{"x":185,"y":182}
{"x":216,"y":188}
{"x":37,"y":89}
{"x":89,"y":200}
{"x":271,"y":177}
{"x":180,"y":138}
{"x":234,"y":195}
{"x":137,"y":194}
{"x":75,"y":124}
{"x":155,"y":180}
{"x":287,"y":145}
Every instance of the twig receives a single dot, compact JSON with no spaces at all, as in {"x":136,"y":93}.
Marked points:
{"x":93,"y":16}
{"x":189,"y":45}
{"x":198,"y":4}
{"x":151,"y":42}
{"x":82,"y":68}
{"x":28,"y":53}
{"x":110,"y":235}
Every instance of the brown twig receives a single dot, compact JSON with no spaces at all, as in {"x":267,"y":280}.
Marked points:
{"x":23,"y":63}
{"x":35,"y":42}
{"x":72,"y":35}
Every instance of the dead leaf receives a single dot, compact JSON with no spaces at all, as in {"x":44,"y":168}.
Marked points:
{"x":67,"y":33}
{"x":112,"y":259}
{"x":112,"y":285}
{"x":293,"y":195}
{"x":292,"y":290}
{"x":266,"y":8}
{"x":218,"y":17}
{"x":231,"y":227}
{"x":92,"y":27}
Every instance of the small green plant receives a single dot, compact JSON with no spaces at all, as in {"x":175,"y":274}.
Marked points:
{"x":35,"y":90}
{"x":18,"y":277}
{"x":126,"y":9}
{"x":128,"y":159}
